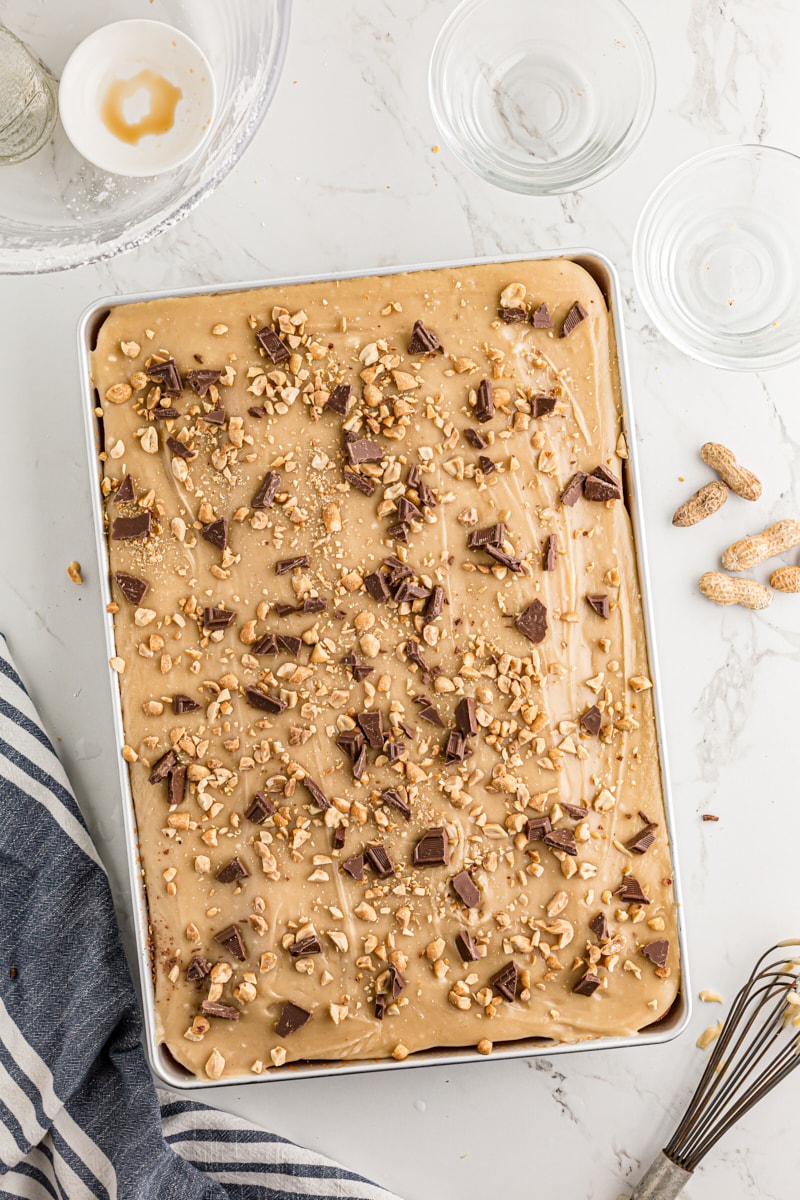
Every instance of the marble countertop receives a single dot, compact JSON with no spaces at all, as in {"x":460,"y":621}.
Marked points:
{"x":358,"y":184}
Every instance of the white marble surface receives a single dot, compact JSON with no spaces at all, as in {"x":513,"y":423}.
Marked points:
{"x":356,"y":184}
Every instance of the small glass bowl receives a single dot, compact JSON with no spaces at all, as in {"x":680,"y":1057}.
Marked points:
{"x":716,"y":257}
{"x":542,"y":96}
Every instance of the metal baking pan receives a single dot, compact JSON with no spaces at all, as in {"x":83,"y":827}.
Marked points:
{"x":162,"y":1062}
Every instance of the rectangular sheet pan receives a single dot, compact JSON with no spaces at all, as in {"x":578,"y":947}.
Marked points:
{"x":165,"y":1067}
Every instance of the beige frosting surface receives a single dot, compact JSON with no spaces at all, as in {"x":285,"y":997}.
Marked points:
{"x":530,"y":754}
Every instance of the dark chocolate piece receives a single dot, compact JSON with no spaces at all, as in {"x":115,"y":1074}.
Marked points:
{"x":602,"y":485}
{"x":432,"y":849}
{"x":284,"y":565}
{"x":176,"y":786}
{"x":181,"y":449}
{"x":543,"y":405}
{"x":657,"y":952}
{"x":201,"y":381}
{"x":125,"y":493}
{"x":532,"y":622}
{"x":232,"y":871}
{"x":285,"y":610}
{"x":292,"y":1018}
{"x":512,"y":316}
{"x":260,"y":808}
{"x":575,"y":812}
{"x":587,"y":985}
{"x":167,"y":376}
{"x":159,"y":413}
{"x":290,"y":643}
{"x":306,"y":947}
{"x":395,"y":750}
{"x":226,"y":1011}
{"x":486,"y":465}
{"x":134,"y":590}
{"x":475,"y":438}
{"x":216,"y":533}
{"x":339,"y":399}
{"x":361,"y":482}
{"x":466,"y":719}
{"x":428,"y":713}
{"x":455,"y":748}
{"x":351,"y":741}
{"x":423,"y":340}
{"x":592,"y":720}
{"x":484,"y":404}
{"x":492,"y":535}
{"x":258,"y":411}
{"x":435,"y":605}
{"x":272,"y":344}
{"x":561,"y":839}
{"x":217,"y":618}
{"x":363,"y":450}
{"x":379,"y":859}
{"x":371,"y":725}
{"x":381,"y":1005}
{"x":397,"y":569}
{"x":262,"y":700}
{"x":337,"y":841}
{"x":215,"y":416}
{"x":268,"y":644}
{"x":396,"y":981}
{"x":182,"y":704}
{"x":537,"y":829}
{"x":355,"y":867}
{"x":406,"y":511}
{"x":505,"y":560}
{"x":131,"y":529}
{"x":409,"y":591}
{"x":398,"y":533}
{"x":414,"y":652}
{"x":550,"y":556}
{"x":394,"y":800}
{"x":642,"y":841}
{"x":505,"y":981}
{"x":599,"y":927}
{"x":360,"y":763}
{"x":315,"y":604}
{"x":540,"y":318}
{"x":465,"y":946}
{"x":267,"y":491}
{"x":574,"y":489}
{"x":466,"y":889}
{"x":573,"y":318}
{"x":231,"y":939}
{"x":376,"y":585}
{"x":198,"y":968}
{"x":630,"y":891}
{"x":162,"y":768}
{"x":600,"y":604}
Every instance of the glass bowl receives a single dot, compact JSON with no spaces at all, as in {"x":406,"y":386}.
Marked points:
{"x":539,"y":96}
{"x":59,"y":211}
{"x":716,"y":257}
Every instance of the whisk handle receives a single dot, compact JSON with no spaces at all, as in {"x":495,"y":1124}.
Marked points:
{"x":663,"y":1181}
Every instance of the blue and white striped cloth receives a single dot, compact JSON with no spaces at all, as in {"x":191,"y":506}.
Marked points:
{"x":80,"y":1118}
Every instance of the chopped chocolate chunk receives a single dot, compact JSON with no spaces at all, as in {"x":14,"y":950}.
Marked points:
{"x":134,"y":590}
{"x":406,"y":511}
{"x":284,"y":565}
{"x":232,"y":871}
{"x":359,"y":670}
{"x":182,"y":704}
{"x":231,"y":939}
{"x":315,"y":792}
{"x":376,"y":585}
{"x":397,"y":569}
{"x":131,"y":529}
{"x":339,"y":399}
{"x":396,"y":981}
{"x":428,"y":713}
{"x":217,"y":618}
{"x":543,"y":405}
{"x":285,"y":610}
{"x":505,"y":560}
{"x":355,"y":867}
{"x":216,"y":532}
{"x":260,"y":808}
{"x":561,"y":839}
{"x":512,"y":316}
{"x":587,"y":985}
{"x":540,"y":318}
{"x":455,"y":748}
{"x":427,"y":497}
{"x":378,"y":858}
{"x":642,"y":841}
{"x":226,"y":1011}
{"x":167,"y":376}
{"x":398,"y":532}
{"x":432,"y":849}
{"x":267,"y":491}
{"x":162,"y":768}
{"x":258,"y":411}
{"x":394,"y":800}
{"x":315,"y":604}
{"x":201,"y":381}
{"x":435,"y":605}
{"x":592,"y":720}
{"x":272,"y":344}
{"x":466,"y":720}
{"x":600,"y":603}
{"x":537,"y":829}
{"x":306,"y":947}
{"x":360,"y":482}
{"x":125,"y":493}
{"x":657,"y":952}
{"x":371,"y":725}
{"x":630,"y":891}
{"x":263,"y":700}
{"x":492,"y":535}
{"x":363,"y":450}
{"x":198,"y":968}
{"x":181,"y":449}
{"x":550,"y":556}
{"x":465,"y":946}
{"x":414,"y":652}
{"x":337,"y":841}
{"x":466,"y":889}
{"x":292,"y":1018}
{"x":484,"y":404}
{"x":176,"y":786}
{"x":360,"y":763}
{"x":573,"y":318}
{"x":574,"y":489}
{"x":486,"y":465}
{"x":602,"y":485}
{"x":532,"y":622}
{"x":381,"y":1005}
{"x":423,"y":340}
{"x":395,"y":750}
{"x":575,"y":812}
{"x":215,"y":416}
{"x":351,"y":741}
{"x":268,"y":644}
{"x":599,"y":927}
{"x":475,"y":438}
{"x":408,"y":591}
{"x":159,"y":413}
{"x":290,"y":643}
{"x":505,"y":981}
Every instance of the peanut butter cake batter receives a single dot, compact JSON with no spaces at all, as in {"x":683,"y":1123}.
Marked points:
{"x":383,"y":667}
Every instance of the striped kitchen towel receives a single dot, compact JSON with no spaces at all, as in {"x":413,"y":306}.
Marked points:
{"x":80,"y":1118}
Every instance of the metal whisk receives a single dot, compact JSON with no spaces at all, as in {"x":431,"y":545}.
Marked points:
{"x":758,"y":1046}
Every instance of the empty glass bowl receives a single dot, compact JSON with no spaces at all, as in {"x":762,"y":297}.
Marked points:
{"x":56,"y":209}
{"x":542,"y":96}
{"x":716,"y":257}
